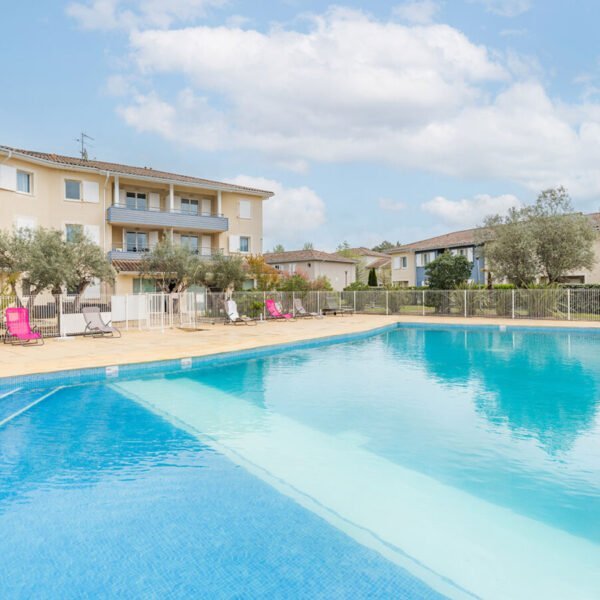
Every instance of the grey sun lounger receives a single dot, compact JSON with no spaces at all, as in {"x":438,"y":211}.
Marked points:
{"x":300,"y":311}
{"x":95,"y":326}
{"x":332,"y":306}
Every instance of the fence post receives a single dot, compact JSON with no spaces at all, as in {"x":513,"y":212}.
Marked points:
{"x":569,"y":304}
{"x":354,"y":300}
{"x":513,"y":303}
{"x":126,"y":312}
{"x":466,"y":311}
{"x":293,"y":303}
{"x":387,"y":302}
{"x":61,"y":322}
{"x":423,"y":302}
{"x":264,"y":306}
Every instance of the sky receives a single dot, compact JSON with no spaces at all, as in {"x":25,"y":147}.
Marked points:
{"x":369,"y":120}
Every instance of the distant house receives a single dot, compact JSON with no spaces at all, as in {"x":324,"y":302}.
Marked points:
{"x":340,"y":270}
{"x":409,"y":261}
{"x":371,"y":259}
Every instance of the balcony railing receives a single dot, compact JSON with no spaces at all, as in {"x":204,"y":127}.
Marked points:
{"x":121,"y":214}
{"x":123,"y":252}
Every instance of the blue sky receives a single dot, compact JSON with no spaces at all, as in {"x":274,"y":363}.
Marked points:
{"x":371,"y":121}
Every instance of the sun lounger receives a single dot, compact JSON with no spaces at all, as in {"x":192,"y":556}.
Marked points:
{"x":332,"y":306}
{"x":18,"y":329}
{"x":300,"y":311}
{"x":233,"y":316}
{"x":275,"y":313}
{"x":95,"y":326}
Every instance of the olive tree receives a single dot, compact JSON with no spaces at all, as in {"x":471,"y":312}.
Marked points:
{"x":175,"y":268}
{"x":547,"y":239}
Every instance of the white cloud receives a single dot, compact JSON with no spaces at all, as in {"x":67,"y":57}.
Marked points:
{"x":352,"y":88}
{"x":507,"y":8}
{"x":391,"y":205}
{"x":417,"y":11}
{"x":469,"y":212}
{"x":290,"y":215}
{"x":129,"y":14}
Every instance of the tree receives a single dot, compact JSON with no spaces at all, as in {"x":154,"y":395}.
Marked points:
{"x":175,"y":268}
{"x":510,"y":248}
{"x":278,"y":248}
{"x":384,"y":246}
{"x":546,"y":239}
{"x":343,"y":247}
{"x":321,"y":284}
{"x":226,"y":272}
{"x":372,"y":278}
{"x":564,"y":239}
{"x":297,"y":282}
{"x":448,"y":272}
{"x":87,"y":262}
{"x":45,"y":262}
{"x":308,"y":246}
{"x":265,"y":276}
{"x":12,"y":258}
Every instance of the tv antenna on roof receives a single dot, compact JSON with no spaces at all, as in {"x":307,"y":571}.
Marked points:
{"x":82,"y":140}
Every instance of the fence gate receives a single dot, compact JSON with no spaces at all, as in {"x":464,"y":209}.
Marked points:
{"x":158,"y":311}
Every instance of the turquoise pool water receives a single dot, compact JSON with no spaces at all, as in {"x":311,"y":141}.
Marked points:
{"x":419,"y":463}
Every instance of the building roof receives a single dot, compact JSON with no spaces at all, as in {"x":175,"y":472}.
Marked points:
{"x":129,"y":266}
{"x":455,"y":239}
{"x":305,"y":256}
{"x":362,"y":251}
{"x":58,"y":160}
{"x":458,"y":239}
{"x":382,"y":262}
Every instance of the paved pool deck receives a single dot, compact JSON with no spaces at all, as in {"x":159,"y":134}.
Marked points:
{"x":145,"y":346}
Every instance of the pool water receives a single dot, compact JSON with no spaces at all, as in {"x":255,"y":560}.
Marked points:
{"x":425,"y":462}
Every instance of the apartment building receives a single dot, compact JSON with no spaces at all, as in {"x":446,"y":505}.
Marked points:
{"x":409,"y":260}
{"x":340,"y":270}
{"x":127,"y":209}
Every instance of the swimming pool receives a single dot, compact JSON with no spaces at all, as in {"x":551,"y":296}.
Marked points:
{"x":423,"y":462}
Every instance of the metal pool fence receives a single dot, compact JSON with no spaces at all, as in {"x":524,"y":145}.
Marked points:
{"x":61,"y":315}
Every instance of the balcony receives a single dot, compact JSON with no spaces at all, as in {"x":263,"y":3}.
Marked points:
{"x":120,"y":252}
{"x":119,"y":214}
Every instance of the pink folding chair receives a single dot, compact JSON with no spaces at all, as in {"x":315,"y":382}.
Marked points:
{"x":18,"y":329}
{"x":275,"y":313}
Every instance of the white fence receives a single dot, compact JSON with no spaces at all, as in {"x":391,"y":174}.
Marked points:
{"x":62,"y":315}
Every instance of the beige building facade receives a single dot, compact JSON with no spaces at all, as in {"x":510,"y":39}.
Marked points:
{"x":340,"y":271}
{"x":127,"y":210}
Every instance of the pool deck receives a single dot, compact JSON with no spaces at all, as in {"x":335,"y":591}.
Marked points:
{"x":146,"y":346}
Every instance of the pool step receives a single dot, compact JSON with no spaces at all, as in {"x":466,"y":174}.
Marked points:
{"x":18,"y":401}
{"x":457,"y":543}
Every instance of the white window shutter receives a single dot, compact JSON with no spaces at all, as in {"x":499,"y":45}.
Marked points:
{"x":123,"y":197}
{"x":245,"y":209}
{"x":234,"y":243}
{"x":25,"y":222}
{"x":396,"y":260}
{"x":206,"y":206}
{"x":154,"y":201}
{"x":92,"y":232}
{"x":177,"y":203}
{"x":153,"y":239}
{"x":91,"y":192}
{"x":8,"y":178}
{"x":176,"y":238}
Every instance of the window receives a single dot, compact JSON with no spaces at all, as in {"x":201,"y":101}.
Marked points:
{"x":72,"y":189}
{"x":72,"y":230}
{"x":145,"y":286}
{"x":404,"y":262}
{"x":190,"y":241}
{"x":24,"y":182}
{"x":425,"y":258}
{"x":245,"y":209}
{"x":137,"y":241}
{"x":136,"y":201}
{"x":189,"y":207}
{"x":244,"y":244}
